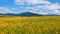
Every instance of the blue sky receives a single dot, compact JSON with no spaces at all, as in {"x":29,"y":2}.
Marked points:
{"x":36,"y":6}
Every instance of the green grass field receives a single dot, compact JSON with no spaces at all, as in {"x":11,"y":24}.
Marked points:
{"x":30,"y":25}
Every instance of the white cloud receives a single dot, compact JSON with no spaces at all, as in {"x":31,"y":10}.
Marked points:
{"x":36,"y":10}
{"x":43,"y":13}
{"x":47,"y":4}
{"x":5,"y":10}
{"x":44,"y":9}
{"x":29,"y":9}
{"x":40,"y":9}
{"x":19,"y":2}
{"x":22,"y":2}
{"x":52,"y":6}
{"x":37,"y":2}
{"x":56,"y":11}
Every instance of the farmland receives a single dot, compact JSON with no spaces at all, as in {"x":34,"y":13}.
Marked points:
{"x":30,"y":25}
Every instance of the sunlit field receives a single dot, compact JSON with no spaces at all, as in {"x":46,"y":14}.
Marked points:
{"x":30,"y":25}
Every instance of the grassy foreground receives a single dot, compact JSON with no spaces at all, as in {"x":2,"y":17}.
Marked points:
{"x":30,"y":25}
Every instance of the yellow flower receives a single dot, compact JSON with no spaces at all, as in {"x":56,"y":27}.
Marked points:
{"x":56,"y":32}
{"x":2,"y":32}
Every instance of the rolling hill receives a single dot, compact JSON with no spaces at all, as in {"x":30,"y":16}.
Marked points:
{"x":26,"y":14}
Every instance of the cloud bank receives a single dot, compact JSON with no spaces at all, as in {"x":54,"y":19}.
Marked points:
{"x":46,"y":7}
{"x":36,"y":6}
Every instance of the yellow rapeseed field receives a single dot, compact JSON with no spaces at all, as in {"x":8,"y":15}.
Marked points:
{"x":30,"y":25}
